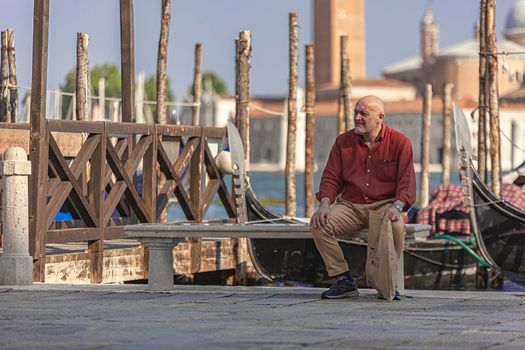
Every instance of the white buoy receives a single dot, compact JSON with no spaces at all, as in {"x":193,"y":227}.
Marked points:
{"x":223,"y":160}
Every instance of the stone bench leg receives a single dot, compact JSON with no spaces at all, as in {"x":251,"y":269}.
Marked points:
{"x":160,"y":263}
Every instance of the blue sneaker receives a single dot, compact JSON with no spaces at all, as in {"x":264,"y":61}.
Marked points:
{"x":343,"y":287}
{"x":397,"y":295}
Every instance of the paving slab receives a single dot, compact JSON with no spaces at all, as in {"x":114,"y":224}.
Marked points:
{"x":59,"y":316}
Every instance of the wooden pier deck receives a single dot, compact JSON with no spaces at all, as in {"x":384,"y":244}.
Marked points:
{"x":46,"y":316}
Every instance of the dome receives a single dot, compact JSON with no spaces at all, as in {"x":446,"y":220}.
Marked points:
{"x":516,"y":18}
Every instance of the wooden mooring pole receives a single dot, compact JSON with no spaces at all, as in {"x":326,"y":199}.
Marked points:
{"x":425,"y":146}
{"x":242,"y":110}
{"x":162,"y":57}
{"x":127,"y":60}
{"x":289,"y":170}
{"x":5,"y":113}
{"x":197,"y":86}
{"x":38,"y":140}
{"x":482,"y":97}
{"x":13,"y":93}
{"x":310,"y":132}
{"x":343,"y":55}
{"x":447,"y":129}
{"x":82,"y":76}
{"x":196,"y":243}
{"x":242,"y":54}
{"x":347,"y":95}
{"x":492,"y":74}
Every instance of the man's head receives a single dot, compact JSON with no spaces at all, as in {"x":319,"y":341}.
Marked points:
{"x":369,"y":114}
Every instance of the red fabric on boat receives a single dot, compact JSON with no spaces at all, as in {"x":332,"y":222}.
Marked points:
{"x":446,"y":212}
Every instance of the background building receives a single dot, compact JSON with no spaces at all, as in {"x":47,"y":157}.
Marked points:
{"x":399,"y":88}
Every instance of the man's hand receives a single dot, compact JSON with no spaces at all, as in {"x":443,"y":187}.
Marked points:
{"x":322,"y":216}
{"x":391,"y":213}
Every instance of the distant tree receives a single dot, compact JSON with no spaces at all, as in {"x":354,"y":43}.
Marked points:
{"x":110,"y":72}
{"x":217,"y":83}
{"x":150,"y":91}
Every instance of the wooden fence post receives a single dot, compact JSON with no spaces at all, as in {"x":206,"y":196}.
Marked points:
{"x":291,"y":200}
{"x":197,"y":77}
{"x":310,"y":132}
{"x":425,"y":145}
{"x":447,"y":110}
{"x":162,"y":93}
{"x":97,"y":182}
{"x":82,"y":75}
{"x":39,"y":140}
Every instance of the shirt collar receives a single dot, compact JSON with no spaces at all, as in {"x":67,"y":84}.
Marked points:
{"x":379,"y":137}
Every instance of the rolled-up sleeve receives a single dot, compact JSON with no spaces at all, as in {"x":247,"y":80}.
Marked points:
{"x":406,"y":176}
{"x":332,"y":180}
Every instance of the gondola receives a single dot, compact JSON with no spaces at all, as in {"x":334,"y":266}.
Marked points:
{"x":430,"y":264}
{"x":498,"y":226}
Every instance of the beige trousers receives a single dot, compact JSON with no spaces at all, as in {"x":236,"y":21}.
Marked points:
{"x":346,"y":219}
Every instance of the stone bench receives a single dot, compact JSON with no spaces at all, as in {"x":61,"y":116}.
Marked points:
{"x":162,"y":238}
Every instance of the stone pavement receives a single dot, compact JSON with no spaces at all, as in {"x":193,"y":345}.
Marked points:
{"x":44,"y":316}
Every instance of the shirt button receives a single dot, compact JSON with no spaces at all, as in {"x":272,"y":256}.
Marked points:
{"x":367,"y":184}
{"x":369,"y":156}
{"x":366,"y":197}
{"x":368,"y":170}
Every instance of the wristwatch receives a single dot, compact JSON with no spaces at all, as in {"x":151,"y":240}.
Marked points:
{"x":399,"y":207}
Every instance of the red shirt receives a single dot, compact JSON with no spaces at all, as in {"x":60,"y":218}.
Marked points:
{"x":363,"y":175}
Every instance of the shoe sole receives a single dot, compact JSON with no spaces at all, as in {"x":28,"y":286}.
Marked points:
{"x":354,"y":293}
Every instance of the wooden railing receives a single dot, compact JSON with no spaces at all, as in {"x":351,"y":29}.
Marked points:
{"x":94,"y":170}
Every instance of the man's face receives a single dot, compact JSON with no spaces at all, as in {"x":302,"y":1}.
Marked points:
{"x":367,"y":118}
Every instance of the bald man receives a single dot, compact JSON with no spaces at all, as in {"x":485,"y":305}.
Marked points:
{"x":369,"y":168}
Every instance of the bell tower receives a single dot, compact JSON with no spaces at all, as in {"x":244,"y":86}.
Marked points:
{"x":333,"y":18}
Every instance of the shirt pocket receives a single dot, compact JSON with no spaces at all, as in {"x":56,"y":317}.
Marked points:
{"x":386,"y":171}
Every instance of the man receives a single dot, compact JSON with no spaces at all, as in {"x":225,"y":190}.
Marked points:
{"x":369,"y":168}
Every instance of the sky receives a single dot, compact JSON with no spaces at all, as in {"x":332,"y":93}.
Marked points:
{"x":391,"y":32}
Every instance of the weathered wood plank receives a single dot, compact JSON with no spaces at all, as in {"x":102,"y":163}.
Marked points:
{"x":97,"y":193}
{"x":38,"y":139}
